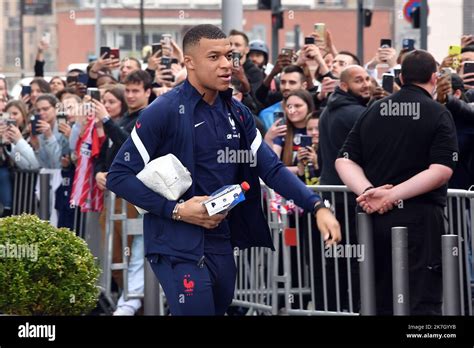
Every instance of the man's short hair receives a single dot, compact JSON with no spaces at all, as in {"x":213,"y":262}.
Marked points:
{"x":235,"y":32}
{"x":346,"y":73}
{"x":135,"y":60}
{"x":202,"y":31}
{"x":418,"y":66}
{"x":294,"y":69}
{"x":79,"y":71}
{"x":139,"y":77}
{"x":355,"y":59}
{"x":50,"y":98}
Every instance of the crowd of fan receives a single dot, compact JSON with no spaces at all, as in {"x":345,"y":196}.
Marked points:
{"x":304,"y":105}
{"x":287,"y":99}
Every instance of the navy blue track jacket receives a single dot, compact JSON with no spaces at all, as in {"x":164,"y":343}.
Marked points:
{"x":166,"y":126}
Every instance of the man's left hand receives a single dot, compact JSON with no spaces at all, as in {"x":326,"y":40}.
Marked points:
{"x":378,"y":199}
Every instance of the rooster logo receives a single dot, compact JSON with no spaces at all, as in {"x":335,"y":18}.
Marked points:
{"x":188,"y":284}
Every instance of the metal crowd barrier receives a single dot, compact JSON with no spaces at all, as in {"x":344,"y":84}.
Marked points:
{"x":283,"y":282}
{"x":153,"y":296}
{"x":302,"y":277}
{"x":25,"y":200}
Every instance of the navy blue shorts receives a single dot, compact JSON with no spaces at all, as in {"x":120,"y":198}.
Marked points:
{"x":193,"y":288}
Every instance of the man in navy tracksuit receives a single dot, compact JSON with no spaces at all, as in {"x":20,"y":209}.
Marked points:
{"x":191,"y":252}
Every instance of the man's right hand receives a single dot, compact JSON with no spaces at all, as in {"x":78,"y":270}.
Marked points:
{"x":193,"y":212}
{"x":282,"y":61}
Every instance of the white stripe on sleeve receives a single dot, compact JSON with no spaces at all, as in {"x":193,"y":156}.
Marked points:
{"x":256,"y":142}
{"x":140,"y":147}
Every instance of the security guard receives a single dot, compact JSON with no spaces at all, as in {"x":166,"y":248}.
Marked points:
{"x":405,"y":146}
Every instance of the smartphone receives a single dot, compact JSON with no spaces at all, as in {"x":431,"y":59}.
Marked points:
{"x":455,"y":52}
{"x":306,"y":140}
{"x":287,"y":51}
{"x":106,"y":50}
{"x":408,"y":44}
{"x":446,"y":72}
{"x":83,"y":78}
{"x":155,"y":48}
{"x":115,"y":53}
{"x":94,"y":93}
{"x":166,"y":39}
{"x":320,"y":29}
{"x":34,"y":124}
{"x":236,"y":59}
{"x":387,"y":82}
{"x":166,"y":61}
{"x":25,"y":90}
{"x":468,"y":67}
{"x":61,"y":117}
{"x":71,"y":79}
{"x":279,"y":115}
{"x":309,"y":40}
{"x":397,"y":72}
{"x":385,"y":43}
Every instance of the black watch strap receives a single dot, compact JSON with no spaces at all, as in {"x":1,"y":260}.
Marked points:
{"x":321,"y":204}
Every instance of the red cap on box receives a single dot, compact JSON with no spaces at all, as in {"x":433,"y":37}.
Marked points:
{"x":245,"y":186}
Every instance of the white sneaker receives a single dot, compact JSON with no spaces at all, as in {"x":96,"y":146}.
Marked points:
{"x":124,"y":310}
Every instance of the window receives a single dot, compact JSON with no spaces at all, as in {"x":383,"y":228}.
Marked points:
{"x":125,"y":41}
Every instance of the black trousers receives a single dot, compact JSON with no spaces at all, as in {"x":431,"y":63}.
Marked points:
{"x":425,"y":226}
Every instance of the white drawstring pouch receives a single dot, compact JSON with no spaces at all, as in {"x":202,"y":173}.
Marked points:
{"x":166,"y":176}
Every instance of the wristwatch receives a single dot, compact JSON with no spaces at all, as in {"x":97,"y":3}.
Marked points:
{"x":175,"y":215}
{"x":105,"y":119}
{"x":321,"y":204}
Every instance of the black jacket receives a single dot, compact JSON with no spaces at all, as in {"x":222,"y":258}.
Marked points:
{"x":463,"y":115}
{"x":117,"y":133}
{"x":254,"y":75}
{"x":335,"y":123}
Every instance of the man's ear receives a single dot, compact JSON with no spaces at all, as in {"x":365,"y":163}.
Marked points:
{"x":148,"y":92}
{"x":304,"y":85}
{"x":247,"y":50}
{"x":400,"y":76}
{"x":344,"y":86}
{"x":188,"y":62}
{"x":434,"y":78}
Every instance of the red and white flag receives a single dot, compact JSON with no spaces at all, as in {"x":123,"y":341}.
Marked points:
{"x":85,"y":192}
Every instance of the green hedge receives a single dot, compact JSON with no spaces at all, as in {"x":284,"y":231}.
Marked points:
{"x":45,"y":270}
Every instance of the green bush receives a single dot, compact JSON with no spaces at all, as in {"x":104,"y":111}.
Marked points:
{"x":60,"y":280}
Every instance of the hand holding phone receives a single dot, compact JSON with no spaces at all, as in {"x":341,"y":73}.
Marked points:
{"x":236,"y":60}
{"x":279,"y":115}
{"x":115,"y":53}
{"x":288,"y":52}
{"x":468,"y":68}
{"x":385,"y":43}
{"x":455,"y":52}
{"x":94,"y":93}
{"x":25,"y":90}
{"x":309,"y":40}
{"x":157,"y":47}
{"x":387,"y":82}
{"x":320,"y":29}
{"x":34,"y":124}
{"x":105,"y":50}
{"x":306,"y":140}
